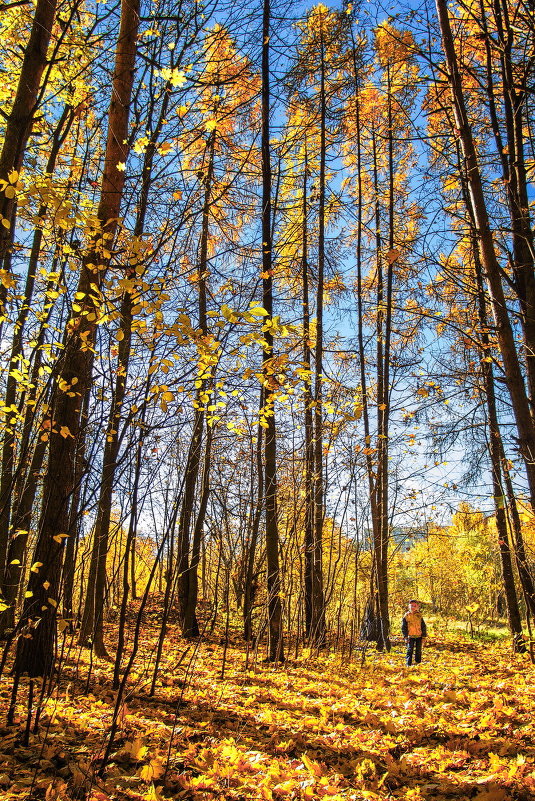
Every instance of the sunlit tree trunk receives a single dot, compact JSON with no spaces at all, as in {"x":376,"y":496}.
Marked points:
{"x":92,"y":625}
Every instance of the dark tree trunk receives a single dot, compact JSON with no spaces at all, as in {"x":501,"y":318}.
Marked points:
{"x":190,"y":613}
{"x":185,"y":566}
{"x":20,"y":120}
{"x":35,"y":653}
{"x":494,"y":445}
{"x":7,"y":480}
{"x":276,"y":651}
{"x":250,"y":584}
{"x":489,"y":259}
{"x":92,"y":627}
{"x":308,"y":420}
{"x":318,"y":632}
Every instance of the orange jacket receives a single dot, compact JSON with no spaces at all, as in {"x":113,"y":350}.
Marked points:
{"x":413,"y":625}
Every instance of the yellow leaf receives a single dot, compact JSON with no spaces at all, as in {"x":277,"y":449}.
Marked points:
{"x":134,"y":749}
{"x":258,"y":311}
{"x":154,"y":770}
{"x":174,"y":76}
{"x":153,"y":794}
{"x":311,"y":766}
{"x":35,"y":567}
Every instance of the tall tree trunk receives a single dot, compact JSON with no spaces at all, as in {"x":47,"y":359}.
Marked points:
{"x":360,"y":312}
{"x":521,"y":558}
{"x":190,"y":613}
{"x":276,"y":651}
{"x":384,"y":406}
{"x":499,"y":468}
{"x":9,"y":441}
{"x":92,"y":626}
{"x":318,"y":632}
{"x":514,"y":97}
{"x":308,"y":419}
{"x":35,"y":653}
{"x":489,"y":259}
{"x":91,"y":629}
{"x":380,"y":505}
{"x":75,"y":524}
{"x":132,"y":528}
{"x":250,"y":583}
{"x":25,"y":488}
{"x":185,"y":568}
{"x":494,"y":443}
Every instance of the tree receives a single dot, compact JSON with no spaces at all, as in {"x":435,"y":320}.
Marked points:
{"x":276,"y":649}
{"x":35,"y":653}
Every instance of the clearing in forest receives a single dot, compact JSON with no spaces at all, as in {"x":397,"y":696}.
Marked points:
{"x":460,"y":725}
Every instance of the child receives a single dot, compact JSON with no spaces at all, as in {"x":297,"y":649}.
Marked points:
{"x":414,"y":630}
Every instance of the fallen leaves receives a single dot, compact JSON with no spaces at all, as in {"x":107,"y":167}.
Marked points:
{"x":459,"y":726}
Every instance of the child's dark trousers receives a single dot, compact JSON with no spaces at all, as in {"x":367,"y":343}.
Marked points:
{"x":414,"y":647}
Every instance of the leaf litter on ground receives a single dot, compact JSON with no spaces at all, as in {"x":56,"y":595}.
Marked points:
{"x":459,"y":726}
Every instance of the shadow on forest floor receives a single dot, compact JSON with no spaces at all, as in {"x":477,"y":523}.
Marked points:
{"x":459,"y":726}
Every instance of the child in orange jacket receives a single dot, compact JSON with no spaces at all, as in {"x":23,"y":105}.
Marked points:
{"x":414,"y":630}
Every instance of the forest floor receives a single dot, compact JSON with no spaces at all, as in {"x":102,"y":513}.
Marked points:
{"x":225,"y":725}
